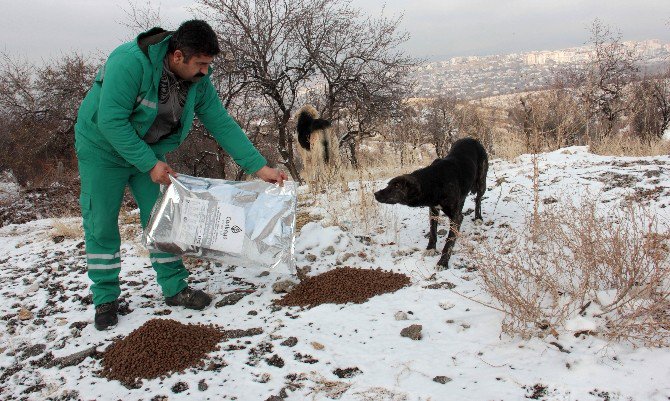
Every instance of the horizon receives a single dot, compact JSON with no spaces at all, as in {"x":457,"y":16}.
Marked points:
{"x":438,"y":30}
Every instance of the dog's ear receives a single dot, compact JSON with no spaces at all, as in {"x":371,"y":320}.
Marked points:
{"x":412,"y":188}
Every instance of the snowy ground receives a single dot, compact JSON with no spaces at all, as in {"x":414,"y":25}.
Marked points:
{"x":44,"y":309}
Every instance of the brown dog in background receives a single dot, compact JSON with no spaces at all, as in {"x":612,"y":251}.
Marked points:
{"x":318,"y":143}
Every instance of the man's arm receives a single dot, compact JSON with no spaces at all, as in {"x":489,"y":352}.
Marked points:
{"x":120,"y":88}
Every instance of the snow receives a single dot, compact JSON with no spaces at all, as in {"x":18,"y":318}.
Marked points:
{"x":462,"y":339}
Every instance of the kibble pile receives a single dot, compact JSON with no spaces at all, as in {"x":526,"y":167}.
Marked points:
{"x":157,"y":348}
{"x":342,"y":285}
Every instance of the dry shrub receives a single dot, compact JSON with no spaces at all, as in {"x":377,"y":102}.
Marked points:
{"x":67,"y":229}
{"x":332,"y":389}
{"x":578,"y":260}
{"x":508,"y":145}
{"x":625,"y":145}
{"x":304,"y":218}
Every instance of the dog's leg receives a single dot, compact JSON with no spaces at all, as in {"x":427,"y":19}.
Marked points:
{"x":432,"y":235}
{"x":481,"y":187}
{"x":455,"y":226}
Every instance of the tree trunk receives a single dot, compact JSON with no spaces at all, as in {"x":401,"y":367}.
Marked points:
{"x":352,"y":149}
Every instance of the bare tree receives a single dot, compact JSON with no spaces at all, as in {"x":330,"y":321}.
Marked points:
{"x":651,"y":107}
{"x":602,"y":82}
{"x":549,"y":119}
{"x":141,"y":17}
{"x":40,"y":108}
{"x":286,"y":52}
{"x":261,"y":37}
{"x":362,"y":77}
{"x":442,"y":124}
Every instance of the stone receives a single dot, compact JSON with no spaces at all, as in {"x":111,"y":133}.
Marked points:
{"x":400,"y":315}
{"x":290,"y":342}
{"x":441,"y":379}
{"x":283,"y":286}
{"x":330,"y":250}
{"x":413,"y":332}
{"x":25,"y":314}
{"x":231,"y":299}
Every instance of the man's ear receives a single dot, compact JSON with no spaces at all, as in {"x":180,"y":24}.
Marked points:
{"x":178,"y":56}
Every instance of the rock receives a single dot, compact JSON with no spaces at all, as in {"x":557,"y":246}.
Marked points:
{"x":264,"y":273}
{"x":290,"y":342}
{"x":231,"y":299}
{"x":58,"y":239}
{"x":202,"y":385}
{"x":263,"y":378}
{"x":275,"y":360}
{"x":330,"y":250}
{"x":346,"y":257}
{"x":442,"y":232}
{"x":78,"y":325}
{"x":25,"y":314}
{"x":310,"y":257}
{"x":441,"y":379}
{"x":317,"y":346}
{"x":283,"y":286}
{"x":179,"y":387}
{"x":400,"y":315}
{"x":413,"y":332}
{"x":444,"y":284}
{"x":446,"y":305}
{"x":74,"y":359}
{"x":302,"y":272}
{"x":34,"y":350}
{"x":347,"y":373}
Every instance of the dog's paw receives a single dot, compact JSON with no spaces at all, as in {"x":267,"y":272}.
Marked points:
{"x":430,"y":252}
{"x":443,"y":263}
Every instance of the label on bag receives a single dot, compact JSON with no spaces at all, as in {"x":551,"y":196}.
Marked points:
{"x":212,"y":225}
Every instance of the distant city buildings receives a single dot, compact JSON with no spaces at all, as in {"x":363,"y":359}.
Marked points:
{"x":475,"y":77}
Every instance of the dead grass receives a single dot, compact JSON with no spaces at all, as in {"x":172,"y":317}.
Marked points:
{"x":69,"y":230}
{"x":508,"y":146}
{"x":578,"y":260}
{"x":304,"y":218}
{"x":628,"y":146}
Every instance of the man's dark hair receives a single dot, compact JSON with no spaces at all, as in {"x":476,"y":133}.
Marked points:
{"x":194,"y":37}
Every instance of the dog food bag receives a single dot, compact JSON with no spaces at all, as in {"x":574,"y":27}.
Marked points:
{"x":244,"y":223}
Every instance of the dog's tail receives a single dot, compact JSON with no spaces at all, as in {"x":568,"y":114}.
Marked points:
{"x":308,"y":122}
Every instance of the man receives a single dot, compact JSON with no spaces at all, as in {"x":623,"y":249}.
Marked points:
{"x":140,"y":107}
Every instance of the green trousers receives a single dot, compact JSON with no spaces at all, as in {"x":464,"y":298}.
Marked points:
{"x":102,"y":186}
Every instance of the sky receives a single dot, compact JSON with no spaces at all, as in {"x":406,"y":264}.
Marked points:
{"x":43,"y":29}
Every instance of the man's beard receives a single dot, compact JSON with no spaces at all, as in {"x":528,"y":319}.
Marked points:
{"x":197,"y":77}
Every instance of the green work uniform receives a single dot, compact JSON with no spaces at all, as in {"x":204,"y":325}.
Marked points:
{"x":115,"y":115}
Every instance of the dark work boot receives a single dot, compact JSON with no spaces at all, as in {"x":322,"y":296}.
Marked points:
{"x":189,"y":298}
{"x":106,"y":315}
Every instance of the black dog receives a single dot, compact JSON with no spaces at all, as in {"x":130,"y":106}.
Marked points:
{"x":443,"y":185}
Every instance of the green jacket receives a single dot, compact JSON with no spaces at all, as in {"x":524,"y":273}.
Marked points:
{"x":123,"y":103}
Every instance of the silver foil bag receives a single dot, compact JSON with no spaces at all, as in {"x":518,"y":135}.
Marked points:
{"x":244,"y":223}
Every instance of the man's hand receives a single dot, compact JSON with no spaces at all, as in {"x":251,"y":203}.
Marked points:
{"x":271,"y":175}
{"x":160,"y":173}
